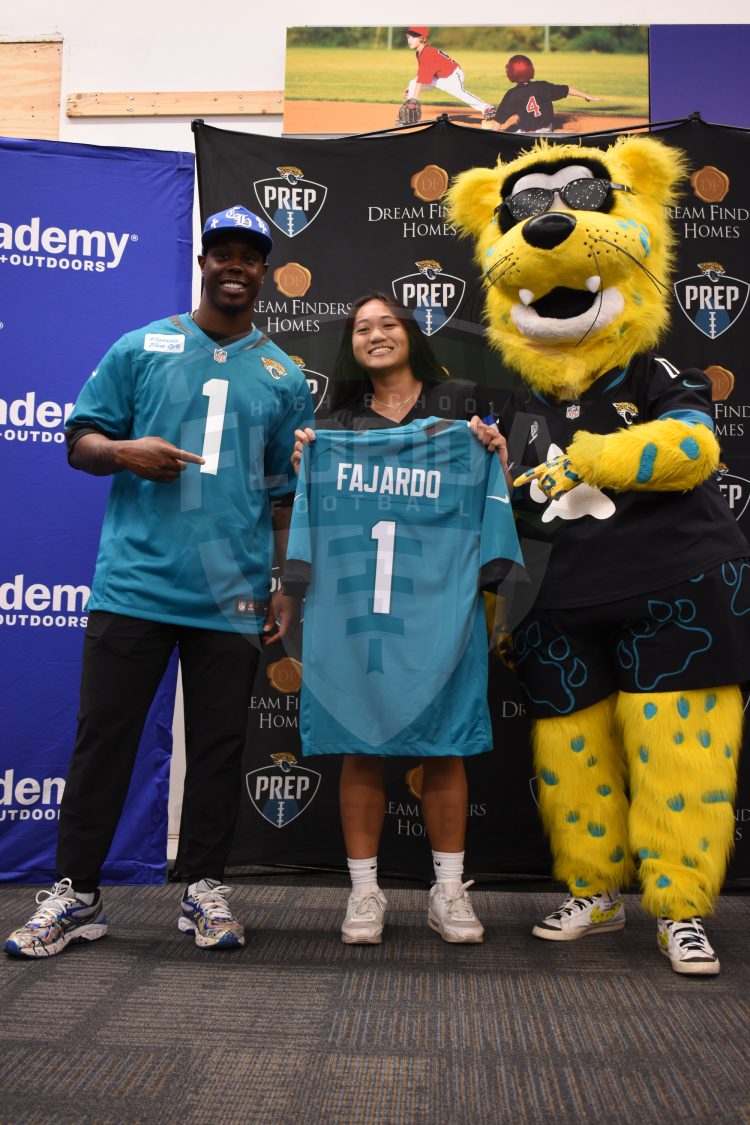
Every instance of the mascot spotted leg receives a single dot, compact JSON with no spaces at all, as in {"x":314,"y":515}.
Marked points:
{"x":632,"y":653}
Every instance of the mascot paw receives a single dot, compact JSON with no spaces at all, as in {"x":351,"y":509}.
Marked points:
{"x":554,"y":477}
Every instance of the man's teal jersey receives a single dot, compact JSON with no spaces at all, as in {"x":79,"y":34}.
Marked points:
{"x":396,"y":531}
{"x":197,"y":551}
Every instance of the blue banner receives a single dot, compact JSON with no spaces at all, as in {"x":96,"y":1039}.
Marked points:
{"x":93,"y":242}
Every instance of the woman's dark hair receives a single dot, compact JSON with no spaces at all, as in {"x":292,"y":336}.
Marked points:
{"x":351,"y":382}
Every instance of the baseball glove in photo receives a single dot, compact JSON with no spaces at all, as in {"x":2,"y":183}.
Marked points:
{"x":410,"y":113}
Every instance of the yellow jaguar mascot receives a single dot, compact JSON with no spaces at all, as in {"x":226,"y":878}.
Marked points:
{"x":639,"y":636}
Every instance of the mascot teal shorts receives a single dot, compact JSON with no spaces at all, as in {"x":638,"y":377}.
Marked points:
{"x":695,"y":634}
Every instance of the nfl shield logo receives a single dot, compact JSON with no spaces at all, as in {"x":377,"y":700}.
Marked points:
{"x":290,"y":201}
{"x":220,"y":356}
{"x":712,"y":301}
{"x":573,"y":410}
{"x":433,"y":296}
{"x":281,"y":792}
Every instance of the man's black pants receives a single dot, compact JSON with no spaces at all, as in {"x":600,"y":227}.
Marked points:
{"x":124,"y":659}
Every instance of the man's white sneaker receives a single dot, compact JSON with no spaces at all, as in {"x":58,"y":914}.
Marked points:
{"x":587,"y":914}
{"x":365,"y":916}
{"x":687,"y":947}
{"x":451,"y":914}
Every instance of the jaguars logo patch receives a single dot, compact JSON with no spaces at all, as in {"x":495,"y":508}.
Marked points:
{"x":628,"y":411}
{"x":275,"y":369}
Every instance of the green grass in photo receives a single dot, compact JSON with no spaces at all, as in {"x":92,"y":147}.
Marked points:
{"x":365,"y":75}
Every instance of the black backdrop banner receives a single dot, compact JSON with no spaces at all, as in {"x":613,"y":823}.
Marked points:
{"x":361,"y":213}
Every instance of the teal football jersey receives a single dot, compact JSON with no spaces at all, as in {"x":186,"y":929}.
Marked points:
{"x":394,"y":532}
{"x":198,"y":551}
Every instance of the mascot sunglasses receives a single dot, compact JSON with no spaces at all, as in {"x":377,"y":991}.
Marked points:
{"x":582,"y":195}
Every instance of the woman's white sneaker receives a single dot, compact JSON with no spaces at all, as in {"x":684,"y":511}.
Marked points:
{"x":584,"y":914}
{"x":687,"y":947}
{"x":451,"y":914}
{"x":365,"y":917}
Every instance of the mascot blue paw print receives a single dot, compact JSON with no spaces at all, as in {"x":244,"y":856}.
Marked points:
{"x":564,"y":672}
{"x":693,"y":640}
{"x":736,"y":575}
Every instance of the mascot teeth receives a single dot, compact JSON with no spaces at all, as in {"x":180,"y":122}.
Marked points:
{"x":593,"y":283}
{"x":533,"y":326}
{"x":525,"y":296}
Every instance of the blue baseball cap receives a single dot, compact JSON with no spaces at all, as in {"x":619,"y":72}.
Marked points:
{"x":237,"y":220}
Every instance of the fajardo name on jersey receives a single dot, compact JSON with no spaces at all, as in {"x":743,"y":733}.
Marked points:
{"x":50,"y":247}
{"x":402,"y":481}
{"x":712,"y":300}
{"x":290,"y":201}
{"x":26,"y":419}
{"x":283,"y":791}
{"x":432,"y":295}
{"x":29,"y":798}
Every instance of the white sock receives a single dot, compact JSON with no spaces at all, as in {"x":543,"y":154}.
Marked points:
{"x":88,"y":898}
{"x":364,"y":874}
{"x":202,"y":886}
{"x":449,"y":866}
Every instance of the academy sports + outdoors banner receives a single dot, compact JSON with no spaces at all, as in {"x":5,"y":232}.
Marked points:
{"x":351,"y":215}
{"x":93,"y":242}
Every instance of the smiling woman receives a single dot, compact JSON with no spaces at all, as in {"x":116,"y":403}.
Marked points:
{"x":386,"y":376}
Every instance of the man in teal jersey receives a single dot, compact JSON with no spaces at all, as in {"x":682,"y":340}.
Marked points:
{"x":194,"y":416}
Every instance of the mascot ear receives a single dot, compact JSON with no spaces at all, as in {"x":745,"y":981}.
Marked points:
{"x":650,"y":166}
{"x":472,"y":199}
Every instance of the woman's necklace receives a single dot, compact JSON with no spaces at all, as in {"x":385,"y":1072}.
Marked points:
{"x":397,"y":405}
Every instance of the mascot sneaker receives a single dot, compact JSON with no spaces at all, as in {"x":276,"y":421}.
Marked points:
{"x":60,"y":920}
{"x":365,"y":917}
{"x":589,"y":914}
{"x":206,"y":915}
{"x":451,"y":914}
{"x":687,"y":947}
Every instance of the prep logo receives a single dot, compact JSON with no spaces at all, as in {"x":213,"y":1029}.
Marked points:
{"x":32,"y":245}
{"x":433,"y":296}
{"x":289,"y":203}
{"x":30,"y":798}
{"x":283,"y":791}
{"x":735,"y":490}
{"x":712,"y":300}
{"x":317,"y":383}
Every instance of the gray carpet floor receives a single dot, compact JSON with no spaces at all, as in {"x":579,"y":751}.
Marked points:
{"x":143,"y":1026}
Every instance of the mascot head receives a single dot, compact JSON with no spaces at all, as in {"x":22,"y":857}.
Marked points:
{"x":575,"y":248}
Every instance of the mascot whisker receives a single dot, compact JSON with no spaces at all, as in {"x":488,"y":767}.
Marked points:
{"x":632,"y":654}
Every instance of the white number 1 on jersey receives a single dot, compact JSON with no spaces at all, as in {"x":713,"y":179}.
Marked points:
{"x":385,"y":533}
{"x":216,"y":391}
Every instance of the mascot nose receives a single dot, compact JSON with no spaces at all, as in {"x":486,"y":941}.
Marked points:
{"x":549,"y":230}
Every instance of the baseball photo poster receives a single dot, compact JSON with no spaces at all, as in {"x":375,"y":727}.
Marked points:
{"x":531,"y":79}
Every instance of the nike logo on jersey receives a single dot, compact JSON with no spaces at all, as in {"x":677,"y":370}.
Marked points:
{"x":691,"y":385}
{"x":502,"y":499}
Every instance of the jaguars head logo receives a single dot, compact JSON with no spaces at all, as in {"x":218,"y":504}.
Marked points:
{"x":628,"y":411}
{"x":575,"y":249}
{"x":274,"y":368}
{"x":429,"y":267}
{"x":291,"y":174}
